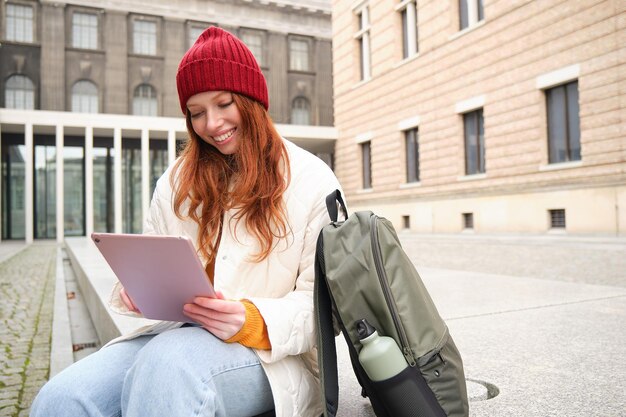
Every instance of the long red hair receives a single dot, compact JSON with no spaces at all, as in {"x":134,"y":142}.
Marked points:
{"x":252,"y":180}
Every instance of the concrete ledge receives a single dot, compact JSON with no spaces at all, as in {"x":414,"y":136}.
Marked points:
{"x":95,"y":280}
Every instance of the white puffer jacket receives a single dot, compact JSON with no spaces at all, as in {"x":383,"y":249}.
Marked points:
{"x":281,"y":286}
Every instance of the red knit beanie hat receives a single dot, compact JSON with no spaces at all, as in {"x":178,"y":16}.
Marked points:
{"x":220,"y":61}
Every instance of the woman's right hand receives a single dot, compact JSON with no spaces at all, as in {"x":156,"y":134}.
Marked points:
{"x":128,"y":302}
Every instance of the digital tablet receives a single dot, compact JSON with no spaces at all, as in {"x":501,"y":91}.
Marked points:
{"x":160,"y":273}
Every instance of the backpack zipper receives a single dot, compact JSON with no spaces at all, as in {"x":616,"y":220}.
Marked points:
{"x":384,"y":283}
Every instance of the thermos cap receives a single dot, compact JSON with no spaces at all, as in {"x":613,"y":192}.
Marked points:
{"x":364,"y":329}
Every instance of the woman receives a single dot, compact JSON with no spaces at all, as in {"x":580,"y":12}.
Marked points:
{"x":254,"y":205}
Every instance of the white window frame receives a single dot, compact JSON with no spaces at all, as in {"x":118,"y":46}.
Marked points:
{"x":24,"y":95}
{"x":409,"y":28}
{"x":18,"y":24}
{"x":255,"y":41}
{"x":301,"y":111}
{"x":299,"y":59}
{"x":82,"y":100}
{"x":145,"y":105}
{"x":84,"y":32}
{"x":362,"y":36}
{"x":145,"y":41}
{"x":194,"y":30}
{"x":472,"y":14}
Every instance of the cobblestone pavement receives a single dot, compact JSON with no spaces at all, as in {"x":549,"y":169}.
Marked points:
{"x":26,"y":306}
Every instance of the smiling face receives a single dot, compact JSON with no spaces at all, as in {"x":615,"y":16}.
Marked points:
{"x":216,"y":119}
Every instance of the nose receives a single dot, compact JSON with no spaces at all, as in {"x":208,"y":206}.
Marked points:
{"x":214,"y":121}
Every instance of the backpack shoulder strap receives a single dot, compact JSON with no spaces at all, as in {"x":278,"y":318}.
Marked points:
{"x":331,"y":205}
{"x":326,"y":348}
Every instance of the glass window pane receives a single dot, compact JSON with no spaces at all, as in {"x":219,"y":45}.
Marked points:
{"x":298,"y":55}
{"x":557,"y":147}
{"x":144,"y":37}
{"x":254,"y":41}
{"x":471,"y":143}
{"x":74,"y":190}
{"x":85,"y":97}
{"x":19,"y":93}
{"x":45,"y":192}
{"x":405,"y":34}
{"x":13,"y":196}
{"x":194,"y":34}
{"x":84,"y":31}
{"x":103,"y":195}
{"x":145,"y":101}
{"x":481,"y":13}
{"x":300,"y":111}
{"x":463,"y":14}
{"x":481,"y":141}
{"x":573,"y":121}
{"x":367,"y":164}
{"x":19,"y":23}
{"x":131,"y":186}
{"x":158,"y":161}
{"x":412,"y":155}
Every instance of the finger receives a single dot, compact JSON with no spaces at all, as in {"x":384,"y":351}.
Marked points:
{"x":215,"y":315}
{"x":128,"y":301}
{"x":219,"y":295}
{"x":224,"y":306}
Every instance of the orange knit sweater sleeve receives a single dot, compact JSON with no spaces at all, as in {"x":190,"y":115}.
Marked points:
{"x":253,"y":333}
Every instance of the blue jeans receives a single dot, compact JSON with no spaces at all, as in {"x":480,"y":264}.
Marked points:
{"x":181,"y":372}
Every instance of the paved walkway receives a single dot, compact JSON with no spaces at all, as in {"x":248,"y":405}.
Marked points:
{"x":539,"y":317}
{"x":26,"y":304}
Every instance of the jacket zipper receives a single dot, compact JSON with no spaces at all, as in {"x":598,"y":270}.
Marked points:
{"x":384,"y":283}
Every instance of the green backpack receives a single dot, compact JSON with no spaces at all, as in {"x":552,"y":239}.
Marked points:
{"x":362,"y":272}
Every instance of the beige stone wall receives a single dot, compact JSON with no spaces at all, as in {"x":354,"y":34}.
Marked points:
{"x":500,"y":61}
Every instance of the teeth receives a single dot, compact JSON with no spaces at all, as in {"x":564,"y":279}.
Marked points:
{"x":223,"y":137}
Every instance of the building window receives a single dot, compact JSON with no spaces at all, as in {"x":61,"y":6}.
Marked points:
{"x":144,"y":37}
{"x":557,"y":218}
{"x":474,"y":142}
{"x":19,"y":23}
{"x":19,"y":93}
{"x":299,"y":55}
{"x":412,"y":155}
{"x":300,"y":111}
{"x":563,"y":123}
{"x":145,"y":101}
{"x":85,"y":31}
{"x":366,"y":158}
{"x":470,"y":12}
{"x":85,"y":97}
{"x":254,"y":41}
{"x":363,"y":38}
{"x":408,"y":11}
{"x":468,"y":220}
{"x":406,"y":222}
{"x":194,"y":33}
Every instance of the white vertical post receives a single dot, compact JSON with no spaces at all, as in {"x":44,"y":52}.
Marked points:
{"x":60,"y":143}
{"x":8,"y":176}
{"x":472,"y":12}
{"x":171,"y":147}
{"x":29,"y":186}
{"x":88,"y":180}
{"x":117,"y":178}
{"x":411,"y":28}
{"x":145,"y":174}
{"x":367,"y":69}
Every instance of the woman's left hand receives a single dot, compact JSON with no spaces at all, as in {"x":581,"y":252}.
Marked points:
{"x":224,"y":318}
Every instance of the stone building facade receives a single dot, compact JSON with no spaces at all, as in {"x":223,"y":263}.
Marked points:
{"x":483,"y":116}
{"x":132,"y":49}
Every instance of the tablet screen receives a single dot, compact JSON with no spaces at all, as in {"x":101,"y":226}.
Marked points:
{"x":160,"y":273}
